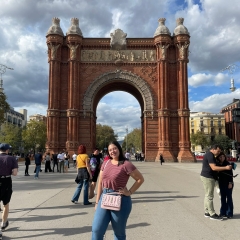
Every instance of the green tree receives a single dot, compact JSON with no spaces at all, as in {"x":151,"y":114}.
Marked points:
{"x":104,"y":135}
{"x":199,"y":138}
{"x":133,"y":140}
{"x":4,"y":106}
{"x":35,"y":135}
{"x":224,"y":141}
{"x":11,"y":134}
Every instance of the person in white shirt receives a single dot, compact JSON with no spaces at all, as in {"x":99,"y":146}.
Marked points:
{"x":60,"y":158}
{"x":127,"y":155}
{"x":74,"y":158}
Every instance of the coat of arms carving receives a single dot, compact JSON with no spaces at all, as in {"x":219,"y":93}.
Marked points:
{"x":118,"y":40}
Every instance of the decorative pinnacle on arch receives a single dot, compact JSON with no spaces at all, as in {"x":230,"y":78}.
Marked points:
{"x":161,"y":29}
{"x":55,"y":27}
{"x":74,"y":28}
{"x":56,"y":21}
{"x":162,"y":21}
{"x":180,"y":21}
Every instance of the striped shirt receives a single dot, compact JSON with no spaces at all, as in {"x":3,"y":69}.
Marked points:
{"x":114,"y":176}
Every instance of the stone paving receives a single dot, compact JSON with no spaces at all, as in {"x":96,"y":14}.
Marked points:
{"x":169,"y":205}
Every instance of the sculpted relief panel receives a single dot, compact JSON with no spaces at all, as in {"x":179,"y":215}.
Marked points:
{"x":113,"y":55}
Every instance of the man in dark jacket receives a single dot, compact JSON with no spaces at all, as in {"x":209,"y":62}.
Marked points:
{"x":38,"y":162}
{"x":209,"y":177}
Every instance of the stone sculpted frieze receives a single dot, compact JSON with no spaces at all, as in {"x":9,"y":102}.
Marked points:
{"x":113,"y":55}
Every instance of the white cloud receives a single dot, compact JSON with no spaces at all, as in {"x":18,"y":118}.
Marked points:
{"x":200,"y":79}
{"x":214,"y":103}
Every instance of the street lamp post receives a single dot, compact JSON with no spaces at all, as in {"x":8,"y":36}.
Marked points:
{"x":2,"y":71}
{"x":231,"y":68}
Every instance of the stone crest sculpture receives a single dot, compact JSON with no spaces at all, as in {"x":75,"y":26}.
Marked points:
{"x":118,"y":40}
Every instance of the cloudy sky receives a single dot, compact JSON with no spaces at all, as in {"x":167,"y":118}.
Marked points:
{"x":214,"y":26}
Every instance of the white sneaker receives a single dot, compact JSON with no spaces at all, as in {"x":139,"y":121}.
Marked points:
{"x":35,"y":177}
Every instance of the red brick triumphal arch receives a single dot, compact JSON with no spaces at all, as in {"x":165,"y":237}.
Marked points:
{"x":154,"y":70}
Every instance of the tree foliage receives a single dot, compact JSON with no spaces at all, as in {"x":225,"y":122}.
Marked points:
{"x":199,"y":138}
{"x":35,"y":135}
{"x":133,"y":140}
{"x":4,"y":106}
{"x":11,"y":134}
{"x":224,"y":141}
{"x":104,"y":135}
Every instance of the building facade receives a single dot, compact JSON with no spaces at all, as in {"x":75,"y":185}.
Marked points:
{"x":154,"y":70}
{"x":38,"y":117}
{"x":18,"y":119}
{"x":210,"y":124}
{"x":232,"y":122}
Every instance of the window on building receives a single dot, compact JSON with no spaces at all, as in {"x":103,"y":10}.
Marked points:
{"x":219,"y":123}
{"x":192,"y":124}
{"x":202,"y":130}
{"x":9,"y":118}
{"x":211,"y":123}
{"x":212,"y":130}
{"x":220,"y":131}
{"x":192,"y":131}
{"x":201,"y":123}
{"x":14,"y":120}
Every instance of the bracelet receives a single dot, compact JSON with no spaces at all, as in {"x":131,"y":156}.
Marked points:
{"x":130,"y":192}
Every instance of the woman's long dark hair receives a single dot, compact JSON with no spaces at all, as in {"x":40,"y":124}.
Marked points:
{"x":218,"y":157}
{"x":122,"y":158}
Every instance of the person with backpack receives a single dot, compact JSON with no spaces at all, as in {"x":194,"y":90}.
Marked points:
{"x":95,"y":163}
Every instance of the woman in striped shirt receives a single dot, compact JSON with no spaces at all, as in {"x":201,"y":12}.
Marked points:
{"x":113,"y":177}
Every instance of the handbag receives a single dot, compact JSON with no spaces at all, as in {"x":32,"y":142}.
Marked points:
{"x":111,"y":202}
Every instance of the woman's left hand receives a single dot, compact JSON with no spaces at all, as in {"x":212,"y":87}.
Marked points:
{"x":124,"y":191}
{"x":229,"y":185}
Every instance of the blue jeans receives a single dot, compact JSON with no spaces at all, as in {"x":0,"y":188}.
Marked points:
{"x":226,"y":200}
{"x":38,"y":167}
{"x":85,"y":184}
{"x":118,"y":219}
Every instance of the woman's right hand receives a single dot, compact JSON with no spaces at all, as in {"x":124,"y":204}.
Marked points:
{"x":96,"y":206}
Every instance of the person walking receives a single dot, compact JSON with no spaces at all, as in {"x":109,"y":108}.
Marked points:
{"x":27,"y":163}
{"x":74,"y":158}
{"x":83,"y":176}
{"x":48,"y":163}
{"x":60,"y":158}
{"x":66,"y":161}
{"x":113,"y":177}
{"x":38,"y":162}
{"x":8,"y":167}
{"x":95,"y":164}
{"x":55,"y":161}
{"x":209,"y":177}
{"x":225,"y":180}
{"x":161,"y":158}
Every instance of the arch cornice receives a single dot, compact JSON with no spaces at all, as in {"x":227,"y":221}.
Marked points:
{"x":122,"y":76}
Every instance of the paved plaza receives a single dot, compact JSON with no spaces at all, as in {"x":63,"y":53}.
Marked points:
{"x":169,"y":205}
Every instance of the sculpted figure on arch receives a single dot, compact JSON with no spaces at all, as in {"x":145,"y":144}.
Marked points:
{"x":53,"y":49}
{"x":73,"y":51}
